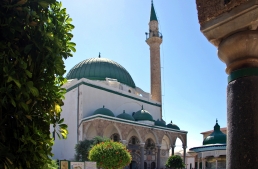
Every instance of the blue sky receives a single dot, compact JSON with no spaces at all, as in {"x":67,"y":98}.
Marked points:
{"x":194,"y":79}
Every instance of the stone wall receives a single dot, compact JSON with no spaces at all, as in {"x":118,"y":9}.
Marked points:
{"x":210,"y":9}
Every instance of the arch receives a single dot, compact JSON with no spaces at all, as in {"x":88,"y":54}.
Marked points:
{"x":153,"y":165}
{"x":165,"y":144}
{"x":111,"y":129}
{"x":133,"y":132}
{"x":90,"y":132}
{"x":182,"y":138}
{"x":151,"y":135}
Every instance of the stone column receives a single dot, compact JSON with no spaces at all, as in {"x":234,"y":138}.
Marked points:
{"x":184,"y":147}
{"x":173,"y":149}
{"x":142,"y":154}
{"x":216,"y":163}
{"x":240,"y":52}
{"x":203,"y":163}
{"x":232,"y":27}
{"x":158,"y":157}
{"x":198,"y":163}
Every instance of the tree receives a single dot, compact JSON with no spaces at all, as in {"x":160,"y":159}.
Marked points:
{"x":34,"y":39}
{"x":110,"y":155}
{"x":82,"y":150}
{"x":83,"y":147}
{"x":175,"y":161}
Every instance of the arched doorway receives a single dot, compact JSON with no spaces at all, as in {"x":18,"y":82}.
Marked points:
{"x":133,"y":165}
{"x":153,"y":165}
{"x":145,"y":165}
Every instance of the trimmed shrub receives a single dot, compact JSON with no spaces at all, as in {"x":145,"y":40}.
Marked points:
{"x":110,"y":155}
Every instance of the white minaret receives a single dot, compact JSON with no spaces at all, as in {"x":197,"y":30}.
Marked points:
{"x":154,"y":40}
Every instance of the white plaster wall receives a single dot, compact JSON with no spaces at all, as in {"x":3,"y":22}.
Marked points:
{"x":64,"y":149}
{"x":94,"y":99}
{"x":190,"y":160}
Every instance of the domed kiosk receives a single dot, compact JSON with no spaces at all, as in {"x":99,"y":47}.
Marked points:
{"x":213,"y":151}
{"x":100,"y":69}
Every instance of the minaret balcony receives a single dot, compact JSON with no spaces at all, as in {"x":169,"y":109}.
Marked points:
{"x":153,"y":34}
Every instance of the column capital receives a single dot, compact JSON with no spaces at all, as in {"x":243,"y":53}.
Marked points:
{"x":142,"y":144}
{"x":173,"y":146}
{"x":239,"y":50}
{"x":184,"y":147}
{"x":124,"y":142}
{"x":158,"y":146}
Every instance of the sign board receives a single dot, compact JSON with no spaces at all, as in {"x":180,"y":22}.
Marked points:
{"x":77,"y":165}
{"x":64,"y":164}
{"x":90,"y":165}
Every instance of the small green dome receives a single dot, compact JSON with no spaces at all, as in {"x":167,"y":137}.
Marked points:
{"x":142,"y":115}
{"x":173,"y":126}
{"x":100,"y":69}
{"x":125,"y":116}
{"x":104,"y":111}
{"x":216,"y":137}
{"x":160,"y":123}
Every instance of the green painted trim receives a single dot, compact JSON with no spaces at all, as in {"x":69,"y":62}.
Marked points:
{"x":111,"y":91}
{"x":129,"y":122}
{"x":253,"y":71}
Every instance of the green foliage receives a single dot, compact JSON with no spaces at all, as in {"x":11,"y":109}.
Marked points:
{"x":110,"y":155}
{"x":83,"y":147}
{"x":98,"y":139}
{"x":175,"y":161}
{"x":82,"y":150}
{"x":34,"y":39}
{"x":52,"y":165}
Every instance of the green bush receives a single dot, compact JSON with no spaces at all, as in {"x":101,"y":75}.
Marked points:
{"x":110,"y":155}
{"x":175,"y":161}
{"x":34,"y":39}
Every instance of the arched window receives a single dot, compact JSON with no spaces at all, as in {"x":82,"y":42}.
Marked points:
{"x":133,"y":140}
{"x":149,"y":144}
{"x":115,"y":137}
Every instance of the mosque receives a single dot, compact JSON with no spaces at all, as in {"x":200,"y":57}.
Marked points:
{"x":103,"y":100}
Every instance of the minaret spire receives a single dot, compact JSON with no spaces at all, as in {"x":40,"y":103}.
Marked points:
{"x":153,"y":16}
{"x":154,"y":39}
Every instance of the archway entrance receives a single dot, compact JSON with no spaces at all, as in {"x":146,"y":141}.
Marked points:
{"x":153,"y":165}
{"x":133,"y":165}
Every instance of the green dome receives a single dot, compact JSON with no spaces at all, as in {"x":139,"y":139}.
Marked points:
{"x":125,"y":116}
{"x":104,"y":111}
{"x":142,"y":115}
{"x":100,"y":69}
{"x":216,"y":137}
{"x":173,"y":126}
{"x":160,"y":123}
